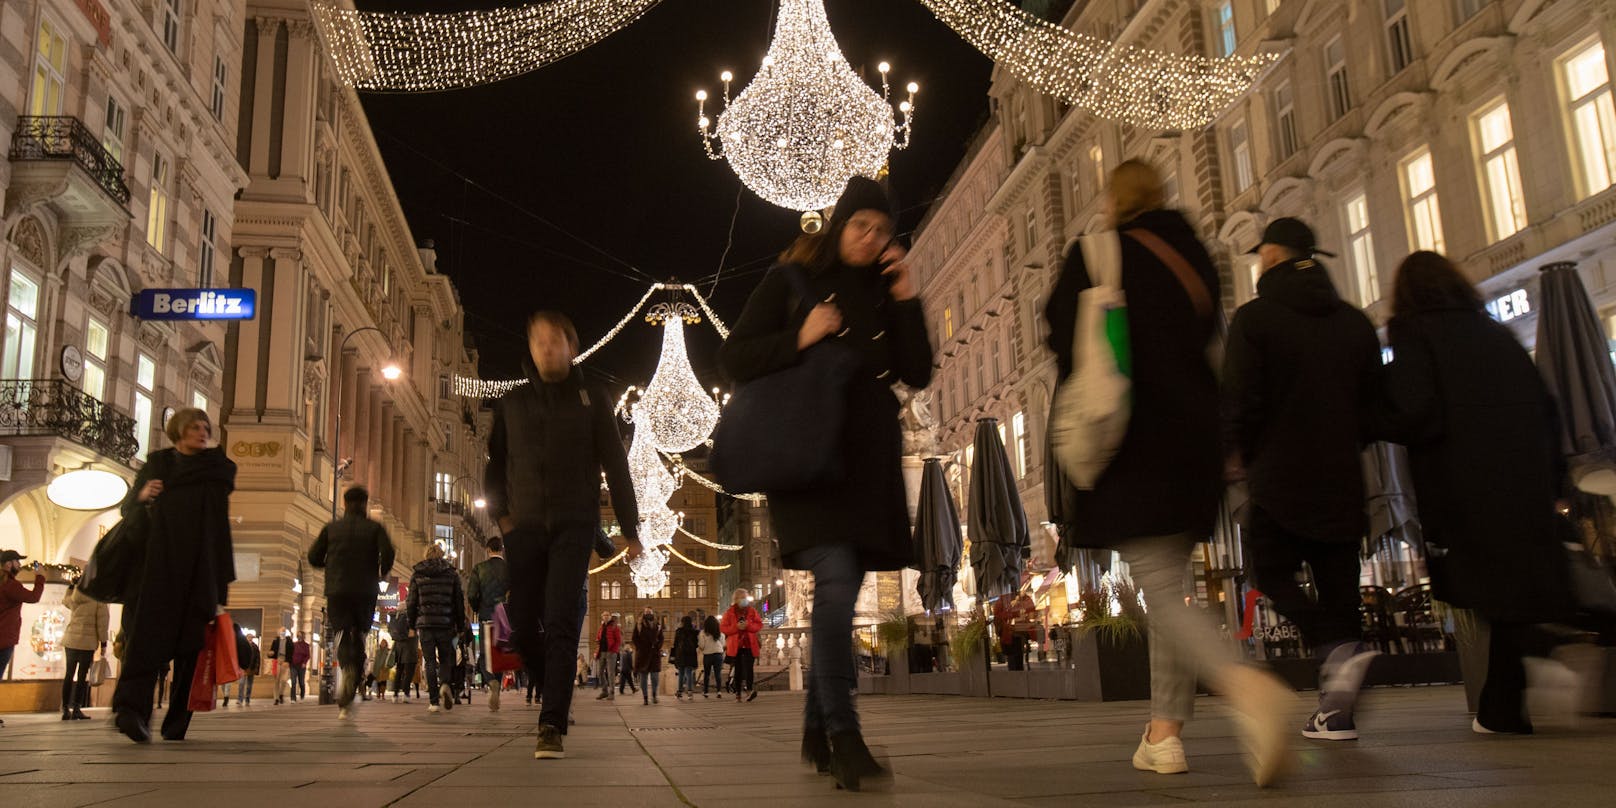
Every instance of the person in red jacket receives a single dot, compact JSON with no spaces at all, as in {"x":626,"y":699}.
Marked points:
{"x":12,"y":596}
{"x":608,"y":644}
{"x":741,"y":625}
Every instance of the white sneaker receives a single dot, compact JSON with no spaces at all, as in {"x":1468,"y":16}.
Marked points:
{"x":1165,"y":756}
{"x":432,"y":708}
{"x":343,"y":713}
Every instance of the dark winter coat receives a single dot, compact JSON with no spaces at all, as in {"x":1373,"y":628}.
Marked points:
{"x":490,"y":584}
{"x":684,"y":647}
{"x":436,"y":601}
{"x":355,"y":553}
{"x":1166,"y":477}
{"x":546,"y":451}
{"x":406,"y":650}
{"x":1479,"y":425}
{"x":245,"y":652}
{"x":190,"y":559}
{"x":867,"y":507}
{"x":1301,"y":374}
{"x":647,"y":642}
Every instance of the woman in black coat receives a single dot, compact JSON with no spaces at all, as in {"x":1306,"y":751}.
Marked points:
{"x":843,"y":529}
{"x":186,"y":575}
{"x":1159,"y":496}
{"x":1468,"y":402}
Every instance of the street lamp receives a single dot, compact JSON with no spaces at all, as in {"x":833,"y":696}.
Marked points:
{"x":390,"y":372}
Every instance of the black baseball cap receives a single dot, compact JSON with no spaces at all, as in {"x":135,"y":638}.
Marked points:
{"x":1291,"y":233}
{"x":8,"y":556}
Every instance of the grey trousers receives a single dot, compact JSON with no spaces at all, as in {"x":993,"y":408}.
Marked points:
{"x":1183,"y":639}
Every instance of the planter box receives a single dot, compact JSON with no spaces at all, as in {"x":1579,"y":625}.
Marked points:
{"x":1042,"y":683}
{"x":871,"y":685}
{"x":1107,"y":671}
{"x":935,"y":684}
{"x":974,"y":679}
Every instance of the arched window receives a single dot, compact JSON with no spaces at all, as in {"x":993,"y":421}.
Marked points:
{"x":690,"y":589}
{"x":617,"y":590}
{"x":667,"y":591}
{"x":605,"y":591}
{"x":701,"y":588}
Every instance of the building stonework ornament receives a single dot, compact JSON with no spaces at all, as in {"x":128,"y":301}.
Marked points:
{"x":807,"y":123}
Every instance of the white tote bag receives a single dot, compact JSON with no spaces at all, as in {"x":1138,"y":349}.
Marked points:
{"x":1092,"y":406}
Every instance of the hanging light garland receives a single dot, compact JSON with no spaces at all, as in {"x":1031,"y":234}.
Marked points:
{"x":423,"y":52}
{"x":679,"y":414}
{"x":807,"y":123}
{"x":1139,"y":86}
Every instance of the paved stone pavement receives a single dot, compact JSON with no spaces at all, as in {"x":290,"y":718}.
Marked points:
{"x":1418,"y":750}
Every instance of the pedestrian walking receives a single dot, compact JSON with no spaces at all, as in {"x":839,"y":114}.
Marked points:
{"x":858,"y":523}
{"x":609,"y":644}
{"x":302,"y":652}
{"x":550,"y":443}
{"x":12,"y":596}
{"x":741,"y":624}
{"x":710,"y":644}
{"x":88,"y":626}
{"x":280,"y":661}
{"x":250,"y":669}
{"x":685,"y":656}
{"x":356,"y":554}
{"x":625,"y":670}
{"x":406,"y":655}
{"x":185,"y":579}
{"x":245,"y":659}
{"x":647,"y":641}
{"x":1468,"y":402}
{"x":488,"y":586}
{"x":1301,"y":373}
{"x":1159,"y":495}
{"x":379,"y":667}
{"x":437,"y":611}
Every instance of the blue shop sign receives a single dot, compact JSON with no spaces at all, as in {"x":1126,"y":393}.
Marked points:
{"x":195,"y":304}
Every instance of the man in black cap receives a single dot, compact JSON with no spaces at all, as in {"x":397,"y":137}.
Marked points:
{"x":12,"y":596}
{"x":1301,"y":372}
{"x":356,"y":554}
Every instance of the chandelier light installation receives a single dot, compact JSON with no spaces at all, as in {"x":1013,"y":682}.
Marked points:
{"x":653,"y":486}
{"x":675,"y":410}
{"x":807,"y":123}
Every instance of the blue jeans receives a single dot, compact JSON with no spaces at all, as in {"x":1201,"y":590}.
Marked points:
{"x":648,"y":683}
{"x":831,"y":679}
{"x":687,"y":680}
{"x":712,"y":672}
{"x":549,"y":570}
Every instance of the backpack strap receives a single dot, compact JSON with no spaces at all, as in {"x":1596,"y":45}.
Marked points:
{"x":1187,"y":277}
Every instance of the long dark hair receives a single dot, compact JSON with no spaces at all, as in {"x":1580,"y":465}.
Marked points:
{"x":816,"y":252}
{"x":711,"y":626}
{"x":1427,"y":280}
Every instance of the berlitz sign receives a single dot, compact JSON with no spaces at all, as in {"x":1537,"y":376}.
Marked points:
{"x":195,"y":304}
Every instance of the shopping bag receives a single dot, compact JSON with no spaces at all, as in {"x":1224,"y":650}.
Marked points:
{"x":226,"y":668}
{"x":99,"y":671}
{"x":498,"y":654}
{"x":201,"y":700}
{"x":1092,"y":408}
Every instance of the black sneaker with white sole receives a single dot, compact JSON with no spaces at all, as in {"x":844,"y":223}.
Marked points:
{"x":1330,"y":725}
{"x":549,"y":745}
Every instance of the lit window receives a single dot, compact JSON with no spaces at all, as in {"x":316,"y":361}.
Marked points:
{"x":157,"y":209}
{"x":445,"y":486}
{"x":47,"y":95}
{"x":1397,"y":39}
{"x":1419,"y":191}
{"x":22,"y":327}
{"x":1335,"y":60}
{"x":145,"y":382}
{"x":1223,"y":16}
{"x":1240,"y":147}
{"x":617,"y":590}
{"x":205,"y":250}
{"x":112,"y":135}
{"x":1500,"y":171}
{"x":1361,"y":249}
{"x":690,"y":589}
{"x":1285,"y":117}
{"x":1593,"y":115}
{"x":96,"y":342}
{"x":1097,"y":165}
{"x":199,"y":400}
{"x":948,"y":322}
{"x":1018,"y":428}
{"x":1252,"y":271}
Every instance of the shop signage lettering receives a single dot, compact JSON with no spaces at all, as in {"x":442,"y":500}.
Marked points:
{"x":1279,"y":633}
{"x":1515,"y":304}
{"x":195,"y":304}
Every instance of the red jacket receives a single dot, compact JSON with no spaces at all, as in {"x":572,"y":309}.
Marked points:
{"x":740,"y":632}
{"x":610,"y":639}
{"x":12,"y":596}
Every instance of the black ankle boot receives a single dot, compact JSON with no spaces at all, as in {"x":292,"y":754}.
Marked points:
{"x":816,"y":750}
{"x":133,"y":727}
{"x":78,"y":715}
{"x":851,"y":762}
{"x":67,"y":715}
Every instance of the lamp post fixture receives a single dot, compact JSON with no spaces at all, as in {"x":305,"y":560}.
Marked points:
{"x":390,"y":372}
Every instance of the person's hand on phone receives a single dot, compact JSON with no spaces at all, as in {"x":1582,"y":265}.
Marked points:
{"x":901,"y":279}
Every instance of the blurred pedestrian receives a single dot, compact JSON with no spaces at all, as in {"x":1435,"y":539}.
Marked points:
{"x":685,"y":656}
{"x":379,"y":670}
{"x":12,"y":596}
{"x":437,"y":611}
{"x":609,"y":642}
{"x":88,"y":624}
{"x":1301,"y":373}
{"x":302,"y":652}
{"x":741,"y":625}
{"x":1468,"y":402}
{"x":185,"y":580}
{"x":647,"y":641}
{"x":1159,"y":495}
{"x":280,"y":661}
{"x":488,"y":586}
{"x":356,"y":554}
{"x":406,"y":657}
{"x":859,"y":523}
{"x":710,"y":644}
{"x":241,"y":688}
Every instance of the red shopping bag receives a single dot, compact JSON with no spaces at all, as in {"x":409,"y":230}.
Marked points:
{"x":498,"y":655}
{"x":201,"y":700}
{"x":226,"y":668}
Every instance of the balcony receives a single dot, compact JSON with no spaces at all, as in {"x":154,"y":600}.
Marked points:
{"x":55,"y":159}
{"x":53,"y":407}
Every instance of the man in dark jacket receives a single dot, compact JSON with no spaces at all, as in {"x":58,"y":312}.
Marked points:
{"x":405,"y":656}
{"x":550,"y":442}
{"x":280,"y":656}
{"x":356,"y":554}
{"x":489,"y":586}
{"x":436,"y":608}
{"x":1301,"y":374}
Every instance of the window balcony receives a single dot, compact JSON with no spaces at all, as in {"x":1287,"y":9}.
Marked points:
{"x":54,"y":407}
{"x":55,"y":159}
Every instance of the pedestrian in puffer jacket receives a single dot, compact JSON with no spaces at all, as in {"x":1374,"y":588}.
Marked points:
{"x":436,"y":608}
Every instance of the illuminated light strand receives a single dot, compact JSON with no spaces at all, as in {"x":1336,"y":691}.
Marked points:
{"x":712,"y":544}
{"x":1147,"y":88}
{"x":806,"y":124}
{"x":713,"y":486}
{"x":696,"y":564}
{"x":613,"y":560}
{"x":424,"y":52}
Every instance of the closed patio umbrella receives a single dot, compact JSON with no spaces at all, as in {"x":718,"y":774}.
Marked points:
{"x":1573,"y":357}
{"x":937,"y":541}
{"x":999,"y":539}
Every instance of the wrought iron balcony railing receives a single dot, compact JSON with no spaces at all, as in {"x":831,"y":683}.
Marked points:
{"x":55,"y":407}
{"x":63,"y":137}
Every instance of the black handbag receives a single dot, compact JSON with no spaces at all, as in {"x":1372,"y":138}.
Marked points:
{"x":1592,"y":589}
{"x":113,"y":574}
{"x":783,"y":431}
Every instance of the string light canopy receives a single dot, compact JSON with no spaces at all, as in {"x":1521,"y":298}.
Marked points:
{"x":423,"y":52}
{"x":1146,"y":88}
{"x":807,"y":123}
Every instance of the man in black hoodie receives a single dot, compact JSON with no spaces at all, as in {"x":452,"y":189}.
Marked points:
{"x":1301,"y":370}
{"x":356,"y":553}
{"x":551,"y":440}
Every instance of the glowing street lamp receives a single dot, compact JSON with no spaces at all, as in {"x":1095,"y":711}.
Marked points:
{"x":391,"y":372}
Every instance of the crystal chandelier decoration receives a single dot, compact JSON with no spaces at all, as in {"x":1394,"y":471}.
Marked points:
{"x":653,"y":486}
{"x":675,"y":410}
{"x":807,"y":123}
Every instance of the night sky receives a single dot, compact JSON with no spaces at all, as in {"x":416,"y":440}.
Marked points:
{"x":600,"y":169}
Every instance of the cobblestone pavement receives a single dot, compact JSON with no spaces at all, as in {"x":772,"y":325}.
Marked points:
{"x":1417,"y":750}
